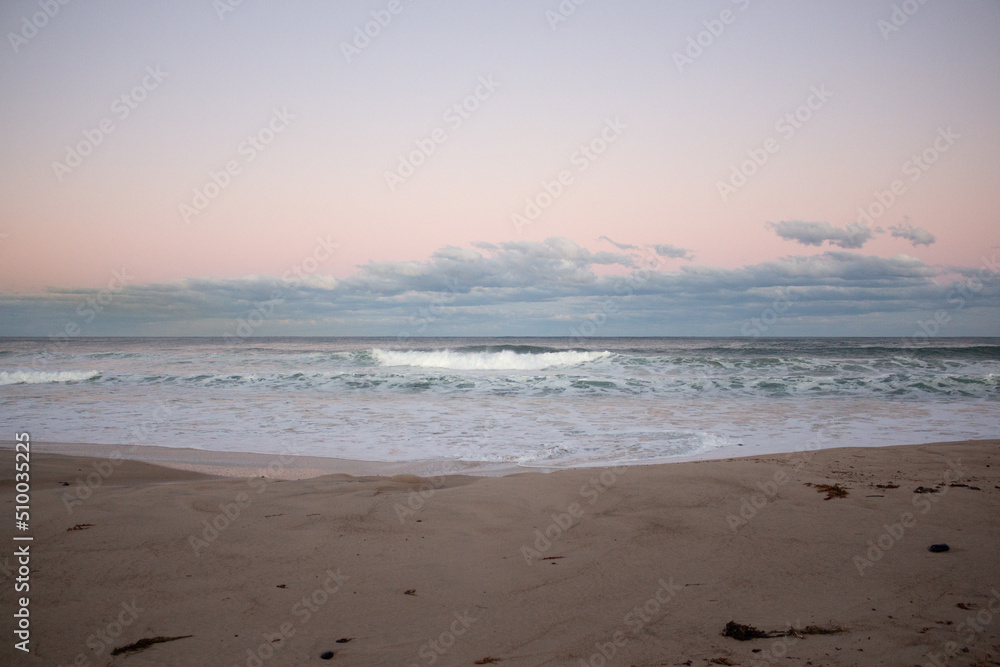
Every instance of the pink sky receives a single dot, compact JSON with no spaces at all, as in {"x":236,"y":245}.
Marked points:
{"x":347,"y":122}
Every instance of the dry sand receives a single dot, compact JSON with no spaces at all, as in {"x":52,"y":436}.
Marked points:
{"x":631,"y":566}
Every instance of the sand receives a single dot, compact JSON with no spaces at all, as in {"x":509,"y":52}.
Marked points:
{"x":641,"y":565}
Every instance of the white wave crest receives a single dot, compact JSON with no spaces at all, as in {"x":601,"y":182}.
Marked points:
{"x":505,"y":360}
{"x":42,"y":377}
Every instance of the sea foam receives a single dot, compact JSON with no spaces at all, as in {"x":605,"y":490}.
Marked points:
{"x":503,"y":360}
{"x":42,"y":377}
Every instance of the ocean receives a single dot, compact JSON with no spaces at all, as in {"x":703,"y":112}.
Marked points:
{"x":532,"y":402}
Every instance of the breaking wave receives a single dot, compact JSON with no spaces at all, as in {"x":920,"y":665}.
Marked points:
{"x":502,"y":360}
{"x":42,"y":377}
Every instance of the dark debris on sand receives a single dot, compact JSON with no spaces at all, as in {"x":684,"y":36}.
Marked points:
{"x":745,"y":633}
{"x":831,"y":490}
{"x":80,"y":526}
{"x":145,"y":643}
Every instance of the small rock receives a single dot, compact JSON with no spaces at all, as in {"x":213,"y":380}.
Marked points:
{"x":327,"y":656}
{"x":938,"y":548}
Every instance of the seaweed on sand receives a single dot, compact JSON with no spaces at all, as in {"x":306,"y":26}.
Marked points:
{"x":745,"y":633}
{"x":145,"y":643}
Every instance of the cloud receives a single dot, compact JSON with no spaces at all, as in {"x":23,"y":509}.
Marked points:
{"x":854,"y":235}
{"x":534,"y":288}
{"x":673,"y":251}
{"x":915,"y":235}
{"x":620,"y":246}
{"x":663,"y":250}
{"x":555,"y":262}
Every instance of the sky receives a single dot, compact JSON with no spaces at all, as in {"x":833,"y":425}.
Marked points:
{"x":554,"y":168}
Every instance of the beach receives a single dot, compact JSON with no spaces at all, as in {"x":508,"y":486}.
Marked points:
{"x":552,"y":333}
{"x":628,"y":565}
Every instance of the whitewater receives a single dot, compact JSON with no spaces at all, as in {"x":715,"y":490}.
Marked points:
{"x":544,"y":402}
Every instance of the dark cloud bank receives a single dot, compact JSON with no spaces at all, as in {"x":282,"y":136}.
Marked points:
{"x":545,"y":288}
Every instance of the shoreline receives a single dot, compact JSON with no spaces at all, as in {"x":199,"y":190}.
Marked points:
{"x":288,"y":466}
{"x":284,"y":466}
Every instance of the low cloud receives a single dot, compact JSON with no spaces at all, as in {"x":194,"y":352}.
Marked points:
{"x":672,"y":251}
{"x":531,"y":288}
{"x":620,"y":246}
{"x":915,"y":235}
{"x":852,"y":236}
{"x":661,"y":249}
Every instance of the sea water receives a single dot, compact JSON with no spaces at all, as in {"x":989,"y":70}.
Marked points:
{"x":547,"y":402}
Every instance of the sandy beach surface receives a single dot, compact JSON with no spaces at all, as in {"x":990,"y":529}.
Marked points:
{"x":642,"y":565}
